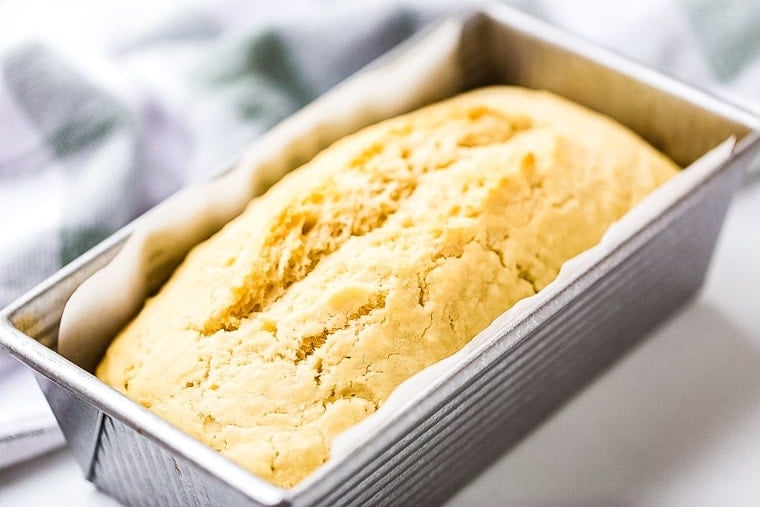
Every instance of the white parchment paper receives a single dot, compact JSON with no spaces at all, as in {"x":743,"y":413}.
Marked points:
{"x":429,"y":71}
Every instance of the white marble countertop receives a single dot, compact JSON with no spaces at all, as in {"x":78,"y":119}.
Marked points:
{"x":676,"y":422}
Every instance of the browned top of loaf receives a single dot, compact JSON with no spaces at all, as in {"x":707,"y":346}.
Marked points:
{"x":384,"y":254}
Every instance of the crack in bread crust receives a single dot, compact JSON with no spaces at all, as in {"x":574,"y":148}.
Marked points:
{"x":385,"y":174}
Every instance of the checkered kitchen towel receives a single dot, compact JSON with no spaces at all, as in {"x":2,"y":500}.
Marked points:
{"x":108,"y":107}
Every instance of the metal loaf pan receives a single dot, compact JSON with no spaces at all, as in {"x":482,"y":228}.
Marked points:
{"x":496,"y":395}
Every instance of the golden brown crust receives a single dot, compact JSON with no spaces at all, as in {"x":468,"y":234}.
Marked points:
{"x":386,"y":253}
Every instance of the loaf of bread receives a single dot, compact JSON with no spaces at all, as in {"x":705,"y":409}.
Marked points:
{"x":385,"y":253}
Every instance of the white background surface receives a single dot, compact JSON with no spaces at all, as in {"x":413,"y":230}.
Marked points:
{"x":676,"y":422}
